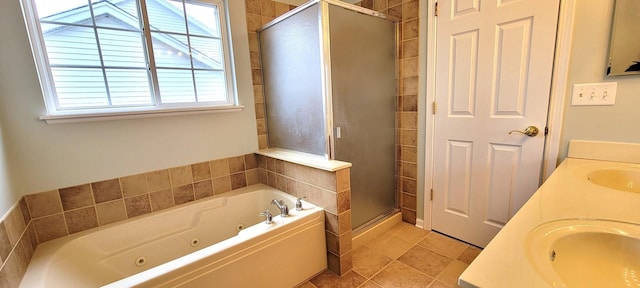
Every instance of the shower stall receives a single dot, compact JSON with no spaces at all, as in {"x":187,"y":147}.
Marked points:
{"x":329,"y":77}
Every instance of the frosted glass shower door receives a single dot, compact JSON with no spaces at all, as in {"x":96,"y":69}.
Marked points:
{"x":363,"y":94}
{"x":291,"y":64}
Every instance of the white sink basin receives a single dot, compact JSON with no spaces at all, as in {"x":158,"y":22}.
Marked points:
{"x":624,"y":179}
{"x":586,"y":253}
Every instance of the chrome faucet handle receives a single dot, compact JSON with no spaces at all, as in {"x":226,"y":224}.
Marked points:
{"x":284,"y":209}
{"x":299,"y":203}
{"x":268,"y":218}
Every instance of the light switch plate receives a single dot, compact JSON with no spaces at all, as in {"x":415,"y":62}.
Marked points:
{"x":591,"y":94}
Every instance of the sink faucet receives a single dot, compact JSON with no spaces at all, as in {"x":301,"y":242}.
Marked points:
{"x":284,"y":210}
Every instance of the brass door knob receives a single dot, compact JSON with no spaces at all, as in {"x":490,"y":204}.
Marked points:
{"x":530,"y":131}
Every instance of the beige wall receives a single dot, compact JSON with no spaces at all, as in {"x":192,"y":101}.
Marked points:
{"x":45,"y":157}
{"x":588,"y":64}
{"x":7,"y":194}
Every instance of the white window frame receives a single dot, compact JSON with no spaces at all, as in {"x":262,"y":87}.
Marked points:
{"x":55,"y":115}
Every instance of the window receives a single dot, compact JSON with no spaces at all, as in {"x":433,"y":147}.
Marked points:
{"x":110,"y":56}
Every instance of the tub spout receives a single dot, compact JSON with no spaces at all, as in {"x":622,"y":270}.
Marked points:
{"x":284,"y":209}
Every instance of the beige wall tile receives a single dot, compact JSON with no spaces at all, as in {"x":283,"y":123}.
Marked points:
{"x":162,"y":199}
{"x":409,"y":154}
{"x":410,"y":10}
{"x":134,"y":185}
{"x":395,"y":13}
{"x":50,"y":227}
{"x":236,"y":164}
{"x":344,"y":201}
{"x":410,"y":48}
{"x":180,"y":176}
{"x":281,"y":8}
{"x":253,"y":6}
{"x":158,"y":180}
{"x":344,"y":222}
{"x":219,"y":168}
{"x":183,"y":194}
{"x":333,"y":243}
{"x":76,"y":197}
{"x":409,"y":67}
{"x":345,"y":242}
{"x":330,"y":201}
{"x":260,"y":114}
{"x":253,"y":177}
{"x":254,"y":45}
{"x":254,"y":22}
{"x":379,"y":5}
{"x":14,"y":223}
{"x":81,"y":219}
{"x":331,"y":222}
{"x":409,"y":201}
{"x":5,"y":244}
{"x":250,"y":161}
{"x":408,"y":216}
{"x":25,"y":210}
{"x":109,"y":212}
{"x":44,"y":204}
{"x":203,"y":189}
{"x":268,"y":8}
{"x":343,"y":179}
{"x":137,"y":205}
{"x":409,"y":170}
{"x":201,"y":171}
{"x":108,"y":190}
{"x":238,"y":180}
{"x":221,"y":185}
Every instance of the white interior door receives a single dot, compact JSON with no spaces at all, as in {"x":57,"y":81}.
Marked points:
{"x":493,"y":75}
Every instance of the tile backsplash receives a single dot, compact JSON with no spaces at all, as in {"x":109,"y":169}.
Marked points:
{"x":69,"y":210}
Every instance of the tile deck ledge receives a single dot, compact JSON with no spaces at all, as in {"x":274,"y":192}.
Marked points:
{"x":306,"y":159}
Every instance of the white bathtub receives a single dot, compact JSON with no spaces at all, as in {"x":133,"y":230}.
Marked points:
{"x":196,"y":245}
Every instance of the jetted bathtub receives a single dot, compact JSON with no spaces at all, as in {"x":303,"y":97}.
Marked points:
{"x":217,"y":242}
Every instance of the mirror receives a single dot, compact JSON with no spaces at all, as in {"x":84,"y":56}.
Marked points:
{"x":624,"y":49}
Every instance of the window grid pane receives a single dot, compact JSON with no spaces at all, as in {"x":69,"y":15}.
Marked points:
{"x":97,"y":55}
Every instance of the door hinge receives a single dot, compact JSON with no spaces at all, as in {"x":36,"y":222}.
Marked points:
{"x":434,"y":106}
{"x":436,"y":9}
{"x":546,"y":131}
{"x":431,"y":197}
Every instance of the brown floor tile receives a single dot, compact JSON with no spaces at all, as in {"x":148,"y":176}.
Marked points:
{"x":469,"y":254}
{"x":444,"y":245}
{"x":328,"y":279}
{"x":408,"y":232}
{"x":399,"y":275}
{"x":306,"y":285}
{"x":368,"y":262}
{"x":425,"y":261}
{"x":438,"y":284}
{"x":370,"y":284}
{"x":450,"y":274}
{"x":389,"y":245}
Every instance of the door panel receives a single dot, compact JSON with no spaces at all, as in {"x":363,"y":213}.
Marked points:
{"x":493,"y":75}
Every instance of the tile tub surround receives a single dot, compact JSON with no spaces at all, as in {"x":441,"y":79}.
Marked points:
{"x":405,"y":12}
{"x":328,"y":189}
{"x":17,"y":242}
{"x":49,"y":215}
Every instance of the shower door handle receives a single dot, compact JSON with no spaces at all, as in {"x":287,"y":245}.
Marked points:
{"x":338,"y":132}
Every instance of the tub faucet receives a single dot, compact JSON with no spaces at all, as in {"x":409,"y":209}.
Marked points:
{"x":284,"y":210}
{"x":268,"y":218}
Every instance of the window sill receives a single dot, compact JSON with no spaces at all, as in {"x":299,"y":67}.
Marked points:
{"x":106,"y":116}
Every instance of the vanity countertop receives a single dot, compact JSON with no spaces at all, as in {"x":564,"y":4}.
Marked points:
{"x":567,"y":194}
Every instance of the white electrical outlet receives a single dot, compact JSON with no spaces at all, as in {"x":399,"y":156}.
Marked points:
{"x":594,"y":94}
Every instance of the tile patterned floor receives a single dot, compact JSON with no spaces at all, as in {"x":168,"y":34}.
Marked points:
{"x":404,"y":256}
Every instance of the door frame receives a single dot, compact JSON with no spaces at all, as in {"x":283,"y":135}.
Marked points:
{"x":427,"y":30}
